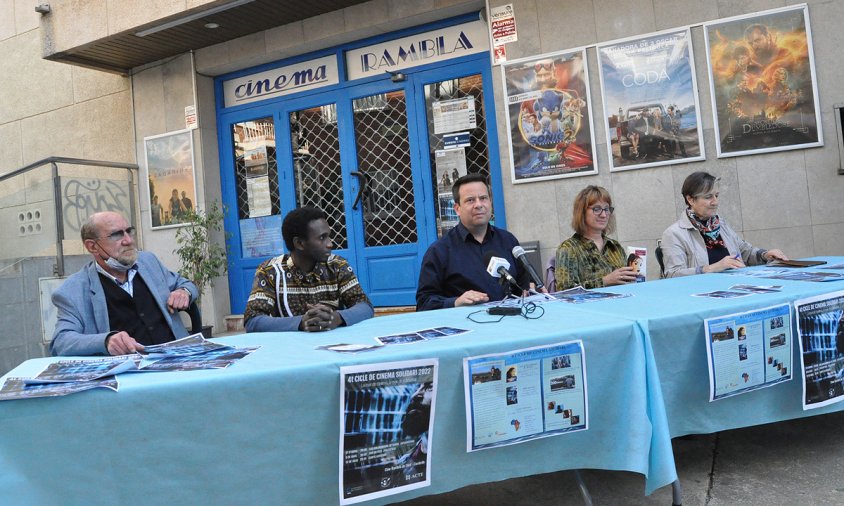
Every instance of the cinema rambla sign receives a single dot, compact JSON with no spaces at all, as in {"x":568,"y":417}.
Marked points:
{"x":429,"y":47}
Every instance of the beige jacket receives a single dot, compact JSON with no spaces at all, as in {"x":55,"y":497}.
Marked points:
{"x":684,"y":251}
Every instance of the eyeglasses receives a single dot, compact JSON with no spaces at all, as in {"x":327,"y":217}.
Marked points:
{"x":598,"y":210}
{"x":708,"y":196}
{"x":546,"y":66}
{"x":117,"y":235}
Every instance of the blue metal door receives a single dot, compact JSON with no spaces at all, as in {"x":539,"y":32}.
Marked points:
{"x":365,"y":153}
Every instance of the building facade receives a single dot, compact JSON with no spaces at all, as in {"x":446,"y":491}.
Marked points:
{"x":356,"y":107}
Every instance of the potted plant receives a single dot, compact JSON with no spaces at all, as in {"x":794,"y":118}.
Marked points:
{"x":201,"y":259}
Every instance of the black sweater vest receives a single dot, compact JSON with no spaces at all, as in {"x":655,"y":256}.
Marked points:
{"x":138,"y":315}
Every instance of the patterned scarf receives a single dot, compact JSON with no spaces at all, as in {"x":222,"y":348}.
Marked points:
{"x":710,"y":229}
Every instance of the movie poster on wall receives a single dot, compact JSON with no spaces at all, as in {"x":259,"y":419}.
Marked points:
{"x":651,"y":109}
{"x":169,"y":172}
{"x":762,"y":78}
{"x":549,"y":117}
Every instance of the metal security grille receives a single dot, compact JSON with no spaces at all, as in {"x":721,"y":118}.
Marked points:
{"x":383,"y":153}
{"x":253,"y":141}
{"x":316,"y":166}
{"x":476,"y":154}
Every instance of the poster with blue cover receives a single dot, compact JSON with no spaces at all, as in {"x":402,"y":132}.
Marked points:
{"x":549,"y":116}
{"x":820,"y":327}
{"x":651,"y":110}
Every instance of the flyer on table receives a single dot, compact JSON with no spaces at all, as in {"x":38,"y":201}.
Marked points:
{"x":525,"y":394}
{"x":820,"y":328}
{"x":386,"y":422}
{"x":748,"y":351}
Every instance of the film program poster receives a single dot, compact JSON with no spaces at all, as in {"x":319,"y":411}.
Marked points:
{"x":386,"y":417}
{"x":525,"y":394}
{"x":820,"y":327}
{"x":650,"y":101}
{"x":748,"y":351}
{"x":549,"y":117}
{"x":169,"y":171}
{"x":762,"y":77}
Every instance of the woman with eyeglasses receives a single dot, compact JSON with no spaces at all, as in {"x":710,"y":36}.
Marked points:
{"x":589,"y":258}
{"x":700,"y":241}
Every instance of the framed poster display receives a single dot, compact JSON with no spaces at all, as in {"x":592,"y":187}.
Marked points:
{"x":169,"y":171}
{"x":651,"y":109}
{"x":763,"y":82}
{"x":549,"y":116}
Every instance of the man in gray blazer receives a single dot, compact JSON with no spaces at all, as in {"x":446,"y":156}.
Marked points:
{"x":122,"y":300}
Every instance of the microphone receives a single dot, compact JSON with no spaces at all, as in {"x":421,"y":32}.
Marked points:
{"x":519,"y":254}
{"x":497,"y":268}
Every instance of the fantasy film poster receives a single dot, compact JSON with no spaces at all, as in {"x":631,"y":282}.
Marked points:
{"x":549,"y":117}
{"x":820,"y":328}
{"x":762,"y":77}
{"x":387,"y":417}
{"x":651,"y":110}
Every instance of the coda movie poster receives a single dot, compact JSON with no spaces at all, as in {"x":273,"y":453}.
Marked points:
{"x":651,"y":111}
{"x":387,"y":416}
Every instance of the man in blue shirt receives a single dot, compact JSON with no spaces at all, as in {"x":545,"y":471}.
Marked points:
{"x":454,"y":269}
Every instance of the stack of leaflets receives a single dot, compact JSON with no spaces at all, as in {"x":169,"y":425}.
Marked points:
{"x":70,"y":376}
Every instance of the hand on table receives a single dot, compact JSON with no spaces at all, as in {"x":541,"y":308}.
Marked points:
{"x":774,"y":254}
{"x":471,"y":297}
{"x":320,"y":317}
{"x":122,"y":343}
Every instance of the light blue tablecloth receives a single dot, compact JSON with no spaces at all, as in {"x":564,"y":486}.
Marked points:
{"x":266,"y":430}
{"x":674,"y":323}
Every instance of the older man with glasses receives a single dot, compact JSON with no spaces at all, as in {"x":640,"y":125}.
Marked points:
{"x":122,"y":300}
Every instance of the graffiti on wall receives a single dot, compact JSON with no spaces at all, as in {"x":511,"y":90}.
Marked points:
{"x":84,"y":197}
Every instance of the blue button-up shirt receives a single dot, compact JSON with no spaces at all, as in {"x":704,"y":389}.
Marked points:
{"x":455,"y":264}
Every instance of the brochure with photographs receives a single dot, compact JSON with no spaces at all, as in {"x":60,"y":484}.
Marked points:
{"x":420,"y":335}
{"x":757,"y":288}
{"x":191,"y":345}
{"x":214,"y":359}
{"x":17,"y":388}
{"x":723,"y":294}
{"x":578,"y":295}
{"x":348,"y":347}
{"x":67,"y":371}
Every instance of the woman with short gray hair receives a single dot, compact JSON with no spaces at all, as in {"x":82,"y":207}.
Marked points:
{"x":700,"y":241}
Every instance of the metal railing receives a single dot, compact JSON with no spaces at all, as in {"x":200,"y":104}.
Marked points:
{"x":53,"y":161}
